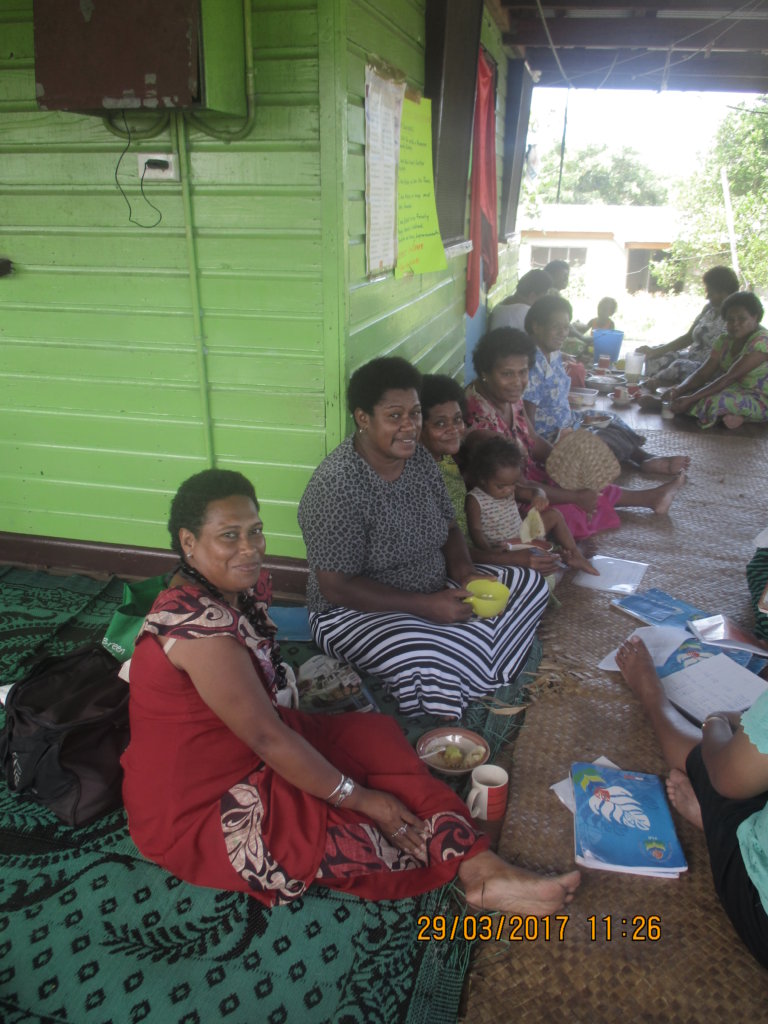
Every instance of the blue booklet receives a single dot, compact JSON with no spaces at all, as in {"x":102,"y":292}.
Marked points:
{"x":623,"y":823}
{"x":691,"y":651}
{"x":658,"y":608}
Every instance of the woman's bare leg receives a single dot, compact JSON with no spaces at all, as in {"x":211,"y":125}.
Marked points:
{"x":657,"y":498}
{"x":675,"y":733}
{"x":492,"y":884}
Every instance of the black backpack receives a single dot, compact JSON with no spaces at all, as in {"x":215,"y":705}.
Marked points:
{"x":66,"y":725}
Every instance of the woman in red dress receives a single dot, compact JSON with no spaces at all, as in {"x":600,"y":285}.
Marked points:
{"x":228,"y":789}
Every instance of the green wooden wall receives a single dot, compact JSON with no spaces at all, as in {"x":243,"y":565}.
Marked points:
{"x":133,"y":356}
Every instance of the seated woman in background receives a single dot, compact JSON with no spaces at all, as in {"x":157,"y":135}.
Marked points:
{"x":719,"y":782}
{"x":511,"y":311}
{"x":226,"y":789}
{"x":388,"y":563}
{"x":502,"y":361}
{"x":732,"y":385}
{"x":546,"y":397}
{"x":673,"y":362}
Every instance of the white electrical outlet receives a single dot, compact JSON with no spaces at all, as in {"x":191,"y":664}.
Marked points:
{"x":158,"y":167}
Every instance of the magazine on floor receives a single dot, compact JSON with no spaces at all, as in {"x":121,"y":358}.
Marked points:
{"x":622,"y":822}
{"x":658,"y":608}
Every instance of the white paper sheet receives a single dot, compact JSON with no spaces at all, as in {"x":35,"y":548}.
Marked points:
{"x":713,"y":684}
{"x":617,"y":575}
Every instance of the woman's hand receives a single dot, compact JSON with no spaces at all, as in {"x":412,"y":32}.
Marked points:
{"x":682,"y":404}
{"x":542,"y":561}
{"x":587,"y":500}
{"x":448,"y":605}
{"x":402,"y":828}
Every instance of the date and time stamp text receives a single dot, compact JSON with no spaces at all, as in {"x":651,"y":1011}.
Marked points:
{"x":526,"y":928}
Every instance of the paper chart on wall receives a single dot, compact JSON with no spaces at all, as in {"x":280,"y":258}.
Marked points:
{"x":419,"y":246}
{"x":383,"y":113}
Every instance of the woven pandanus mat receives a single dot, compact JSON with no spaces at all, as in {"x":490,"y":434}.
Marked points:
{"x":697,"y":970}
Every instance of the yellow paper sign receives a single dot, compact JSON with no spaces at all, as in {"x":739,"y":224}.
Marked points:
{"x":419,"y":246}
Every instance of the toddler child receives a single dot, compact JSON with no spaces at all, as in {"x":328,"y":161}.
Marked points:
{"x":493,"y":517}
{"x":605,"y":310}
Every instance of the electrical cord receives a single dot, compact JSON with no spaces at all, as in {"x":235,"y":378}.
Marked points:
{"x":131,"y":218}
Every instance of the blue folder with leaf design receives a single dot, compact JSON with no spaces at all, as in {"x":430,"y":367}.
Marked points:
{"x":622,"y":822}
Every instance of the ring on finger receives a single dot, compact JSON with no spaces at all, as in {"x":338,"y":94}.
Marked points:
{"x":399,"y":831}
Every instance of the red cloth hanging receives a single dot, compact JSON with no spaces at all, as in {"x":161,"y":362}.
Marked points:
{"x":482,"y":218}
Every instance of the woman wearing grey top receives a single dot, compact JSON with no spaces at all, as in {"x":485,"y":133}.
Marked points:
{"x":388,"y":564}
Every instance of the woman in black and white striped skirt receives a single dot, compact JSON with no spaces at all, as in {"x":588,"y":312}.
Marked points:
{"x":388,"y":564}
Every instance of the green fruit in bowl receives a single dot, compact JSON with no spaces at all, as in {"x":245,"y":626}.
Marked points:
{"x":453,"y":756}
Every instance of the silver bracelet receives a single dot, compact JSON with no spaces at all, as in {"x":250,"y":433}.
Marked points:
{"x":347,"y":787}
{"x":335,"y":792}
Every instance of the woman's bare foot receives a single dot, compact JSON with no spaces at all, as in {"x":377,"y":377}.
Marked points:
{"x":682,"y":797}
{"x":636,"y":666}
{"x":491,"y":884}
{"x":665,"y":494}
{"x":669,"y":464}
{"x":732,"y":422}
{"x":575,"y":560}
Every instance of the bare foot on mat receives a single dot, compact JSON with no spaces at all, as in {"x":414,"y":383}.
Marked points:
{"x":669,"y":464}
{"x":636,"y":666}
{"x":575,"y":560}
{"x":666,"y":494}
{"x":682,"y":797}
{"x":493,"y":885}
{"x":732,"y":422}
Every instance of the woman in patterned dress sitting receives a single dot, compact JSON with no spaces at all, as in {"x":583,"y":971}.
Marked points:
{"x":227,"y":789}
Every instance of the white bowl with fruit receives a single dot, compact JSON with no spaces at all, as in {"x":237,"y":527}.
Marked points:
{"x":452,"y":750}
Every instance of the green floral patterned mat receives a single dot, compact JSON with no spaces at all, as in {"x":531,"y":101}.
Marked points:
{"x":91,"y":931}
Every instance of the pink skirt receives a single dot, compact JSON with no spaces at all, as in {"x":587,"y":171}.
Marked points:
{"x":577,"y":520}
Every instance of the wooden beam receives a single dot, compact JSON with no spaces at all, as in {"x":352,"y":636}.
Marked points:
{"x":529,"y":8}
{"x":685,"y":34}
{"x":590,"y":69}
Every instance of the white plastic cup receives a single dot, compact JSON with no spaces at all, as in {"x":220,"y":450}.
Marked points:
{"x":633,"y":366}
{"x":666,"y":411}
{"x":488,"y":796}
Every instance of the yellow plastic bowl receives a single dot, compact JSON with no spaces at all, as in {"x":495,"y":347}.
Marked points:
{"x":489,"y":597}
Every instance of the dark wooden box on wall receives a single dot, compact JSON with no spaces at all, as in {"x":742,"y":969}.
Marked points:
{"x":101,"y":55}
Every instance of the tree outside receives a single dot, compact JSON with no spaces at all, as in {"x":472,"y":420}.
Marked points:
{"x":596,"y":174}
{"x":741,"y":149}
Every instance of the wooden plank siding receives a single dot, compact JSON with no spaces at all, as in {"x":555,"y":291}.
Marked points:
{"x":419,"y":318}
{"x":114,"y":388}
{"x":132,"y":356}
